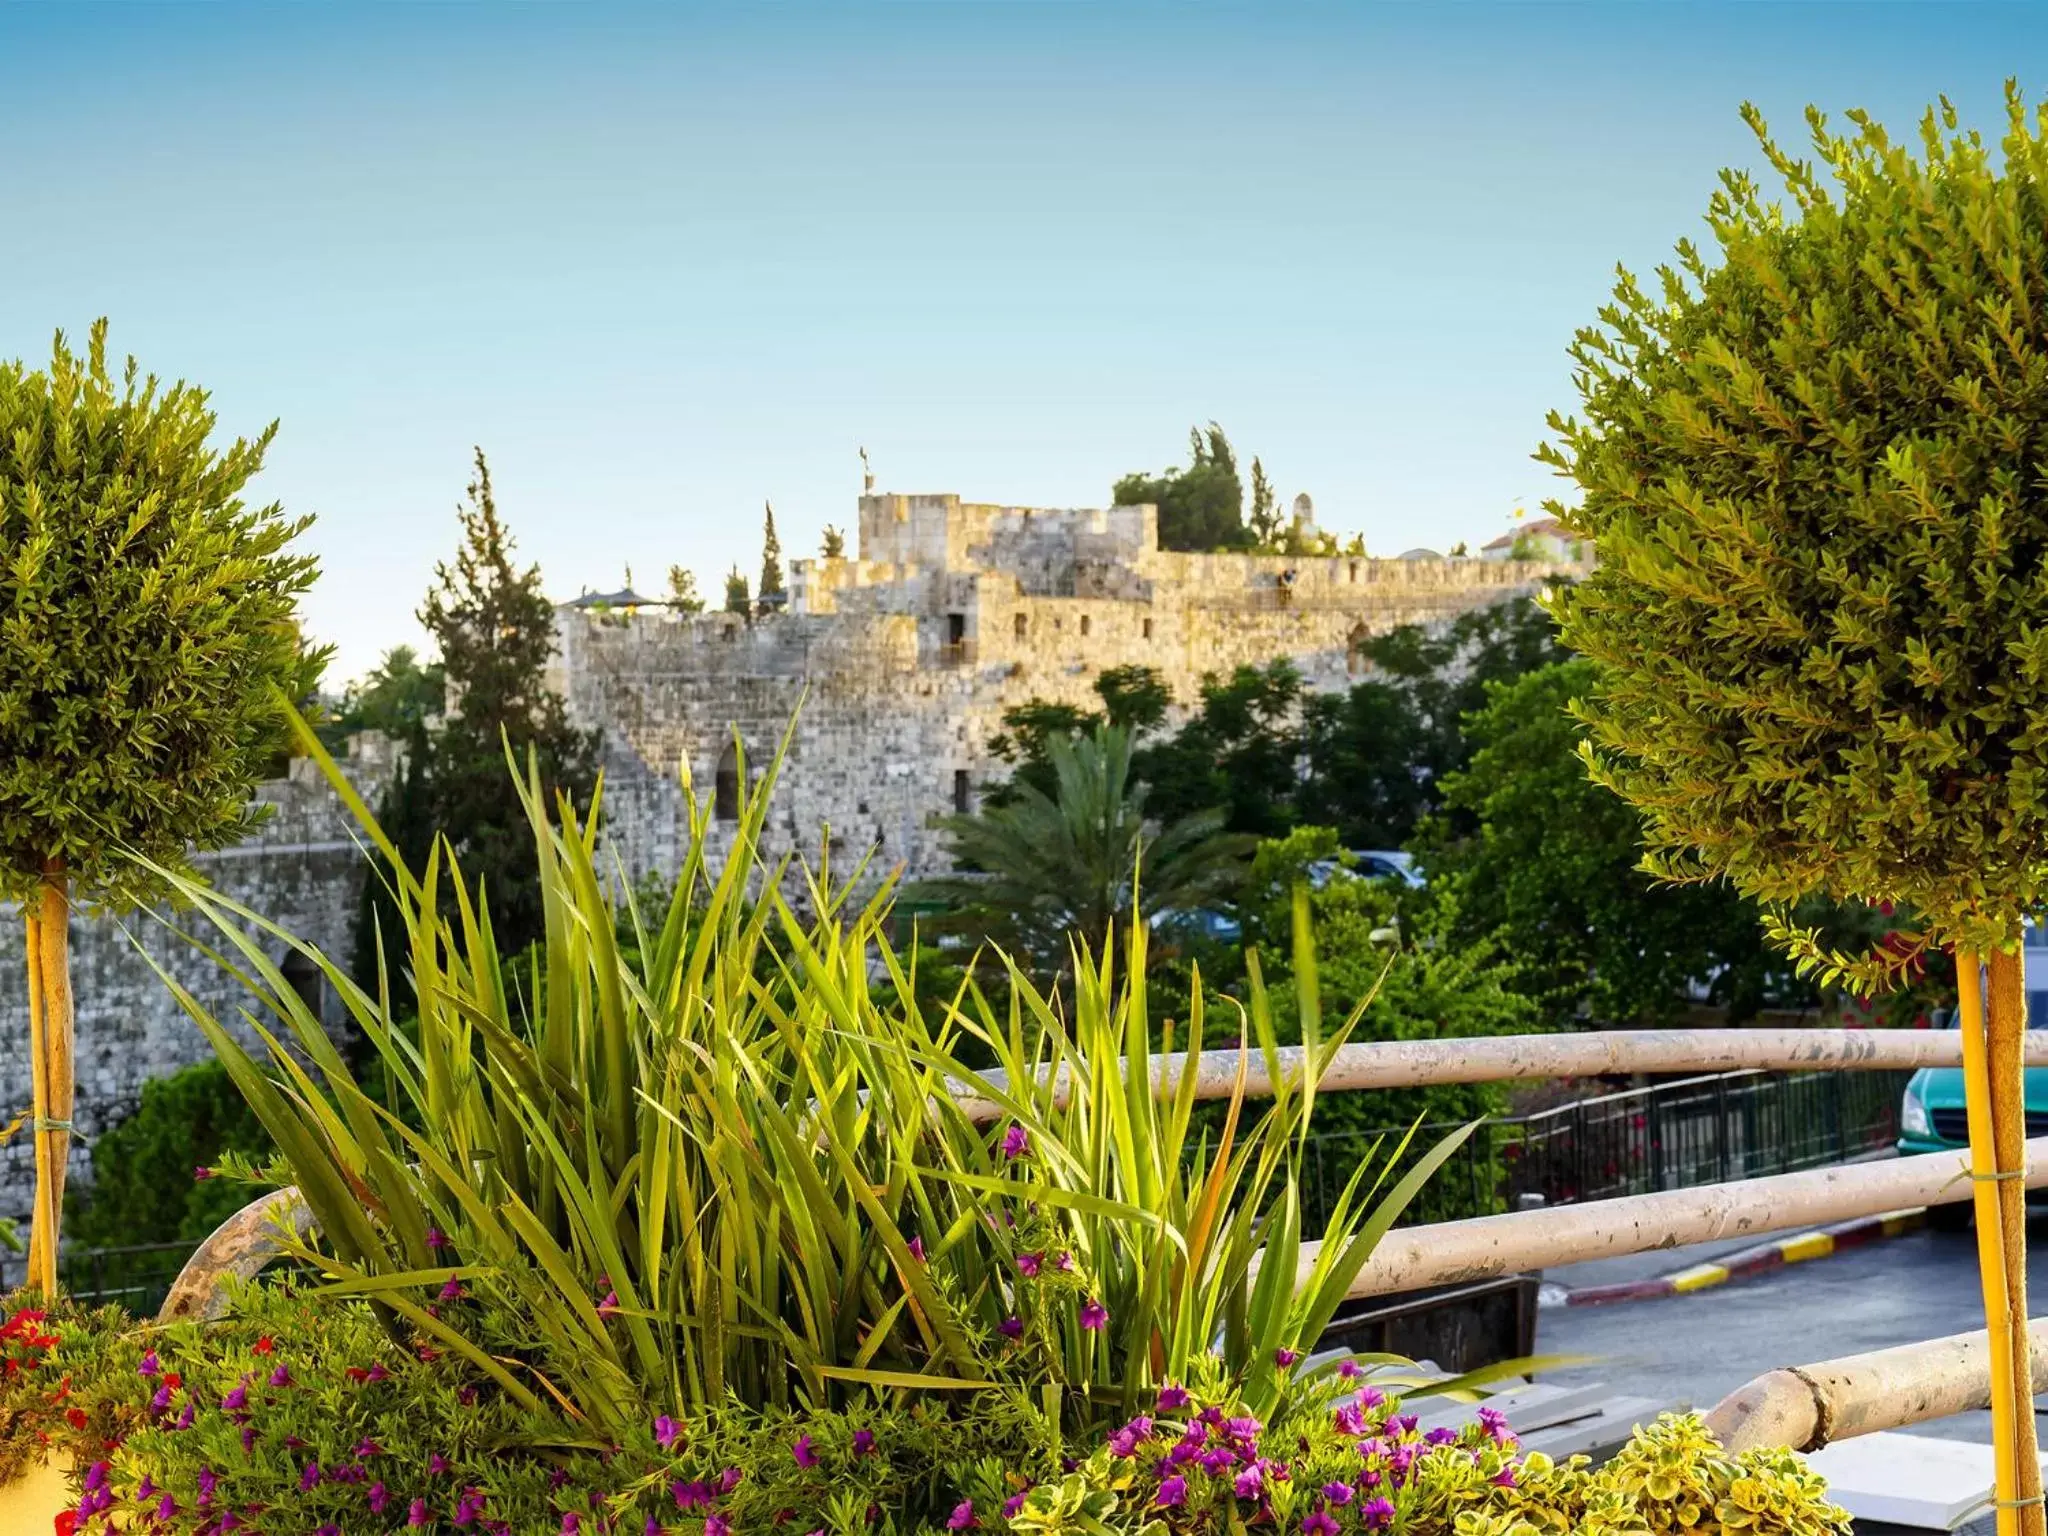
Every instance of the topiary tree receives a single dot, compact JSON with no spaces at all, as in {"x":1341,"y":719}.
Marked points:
{"x":147,"y":635}
{"x":1812,"y":472}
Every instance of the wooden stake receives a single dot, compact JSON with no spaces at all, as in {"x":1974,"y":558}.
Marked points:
{"x":1990,"y":1231}
{"x":50,"y":1052}
{"x":2004,"y":1035}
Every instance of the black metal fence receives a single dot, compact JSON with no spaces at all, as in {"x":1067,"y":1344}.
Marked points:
{"x":1671,"y":1135}
{"x":136,"y":1277}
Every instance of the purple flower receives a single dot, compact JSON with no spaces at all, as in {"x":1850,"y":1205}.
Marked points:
{"x":1173,"y":1492}
{"x":281,"y":1377}
{"x":161,"y":1400}
{"x":1250,"y":1483}
{"x":730,"y":1479}
{"x":328,"y":1529}
{"x":1285,"y":1358}
{"x":1172,"y":1398}
{"x":1218,"y":1459}
{"x":962,"y":1518}
{"x":437,"y":1464}
{"x":1093,"y":1314}
{"x":667,"y":1432}
{"x":436,"y":1238}
{"x":1350,"y":1420}
{"x":805,"y":1456}
{"x":310,"y":1478}
{"x":1347,"y":1368}
{"x":452,"y":1291}
{"x":149,"y":1366}
{"x":1124,"y":1443}
{"x":1495,"y":1423}
{"x":146,"y":1489}
{"x":608,"y":1303}
{"x":1338,"y":1493}
{"x":917,"y":1253}
{"x":691,"y":1495}
{"x":1319,"y":1523}
{"x":1505,"y":1477}
{"x":166,"y":1507}
{"x":1371,"y":1397}
{"x":201,"y":1175}
{"x":1011,"y":1327}
{"x":1403,"y":1423}
{"x":1377,"y":1512}
{"x":716,"y":1525}
{"x":1016,"y":1143}
{"x":572,"y":1523}
{"x":863,"y":1442}
{"x":248,"y":1438}
{"x":96,"y":1477}
{"x":1014,"y":1503}
{"x":417,"y":1515}
{"x":1441,"y":1437}
{"x":466,"y":1396}
{"x":1064,"y":1263}
{"x":380,"y":1498}
{"x":1028,"y":1264}
{"x":185,"y":1416}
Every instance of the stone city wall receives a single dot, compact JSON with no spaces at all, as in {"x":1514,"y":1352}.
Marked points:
{"x":302,"y":870}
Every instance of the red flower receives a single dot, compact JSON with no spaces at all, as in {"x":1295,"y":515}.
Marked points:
{"x":265,"y":1345}
{"x":76,"y":1417}
{"x":67,"y":1522}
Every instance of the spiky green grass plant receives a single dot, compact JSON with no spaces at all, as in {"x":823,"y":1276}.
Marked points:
{"x":737,"y":1164}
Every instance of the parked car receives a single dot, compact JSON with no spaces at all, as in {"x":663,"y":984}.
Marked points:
{"x":1932,"y":1114}
{"x":1215,"y":927}
{"x":1369,"y":864}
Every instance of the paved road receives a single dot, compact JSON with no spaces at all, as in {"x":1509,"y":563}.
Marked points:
{"x":1701,"y":1346}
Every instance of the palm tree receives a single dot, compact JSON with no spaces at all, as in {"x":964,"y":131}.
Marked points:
{"x":1040,"y":867}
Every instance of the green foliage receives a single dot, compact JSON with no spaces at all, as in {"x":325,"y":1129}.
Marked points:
{"x":149,"y":626}
{"x":496,"y":631}
{"x":1549,"y":872}
{"x":398,"y":694}
{"x":683,"y":596}
{"x":147,"y":1185}
{"x":835,"y":543}
{"x":309,"y":1412}
{"x":1810,"y":467}
{"x":736,"y":598}
{"x":1238,"y":752}
{"x":771,"y":592}
{"x":685,"y":1181}
{"x":1050,"y":868}
{"x":1264,"y":522}
{"x":1200,"y":507}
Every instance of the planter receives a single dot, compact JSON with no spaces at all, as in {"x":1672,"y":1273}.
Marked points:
{"x":35,"y":1503}
{"x":1459,"y":1327}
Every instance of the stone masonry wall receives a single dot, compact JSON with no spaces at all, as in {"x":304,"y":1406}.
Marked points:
{"x":302,"y":870}
{"x":905,"y":659}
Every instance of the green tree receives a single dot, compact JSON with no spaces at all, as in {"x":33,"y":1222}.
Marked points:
{"x":395,"y":695}
{"x":496,"y":631}
{"x":835,"y":543}
{"x":1134,"y":697}
{"x":1201,"y":507}
{"x":770,"y":593}
{"x":1047,"y":866}
{"x":736,"y":598}
{"x":683,"y":596}
{"x":1264,"y":523}
{"x":1239,"y":752}
{"x":152,"y":1174}
{"x":1549,"y":873}
{"x":149,"y":633}
{"x":407,"y":813}
{"x":1811,"y":470}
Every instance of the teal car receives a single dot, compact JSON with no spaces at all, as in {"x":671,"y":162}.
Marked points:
{"x":1932,"y":1117}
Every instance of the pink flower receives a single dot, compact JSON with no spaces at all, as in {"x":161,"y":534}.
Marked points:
{"x":667,"y":1432}
{"x":452,"y":1291}
{"x":1172,"y":1398}
{"x":1016,"y":1143}
{"x":717,"y":1525}
{"x":201,"y":1175}
{"x":1347,"y":1368}
{"x":1064,"y":1263}
{"x":1319,"y":1524}
{"x":805,"y":1456}
{"x":1377,"y":1512}
{"x":962,"y":1518}
{"x":917,"y":1249}
{"x":417,"y":1515}
{"x":1250,"y":1483}
{"x":1093,"y":1314}
{"x":1338,"y":1493}
{"x":436,"y":1238}
{"x":863,"y":1442}
{"x":1028,"y":1264}
{"x":1285,"y":1358}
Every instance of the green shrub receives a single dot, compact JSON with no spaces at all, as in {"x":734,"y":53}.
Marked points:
{"x":299,"y":1414}
{"x":738,"y":1169}
{"x":153,"y":1174}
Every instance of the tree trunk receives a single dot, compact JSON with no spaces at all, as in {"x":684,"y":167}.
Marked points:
{"x":49,"y":1027}
{"x":1990,"y":1229}
{"x":2005,"y":1034}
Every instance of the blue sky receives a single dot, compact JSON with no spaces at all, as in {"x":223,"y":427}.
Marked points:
{"x":663,"y":263}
